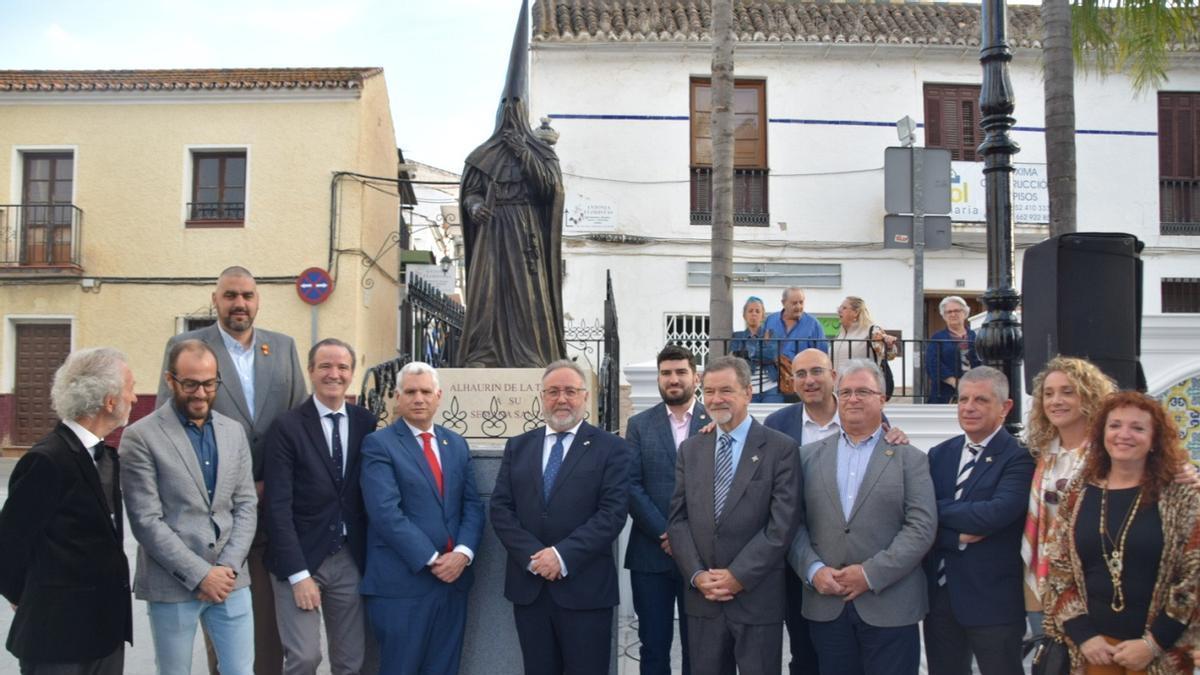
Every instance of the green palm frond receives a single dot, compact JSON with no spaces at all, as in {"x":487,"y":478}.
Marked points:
{"x":1133,"y":36}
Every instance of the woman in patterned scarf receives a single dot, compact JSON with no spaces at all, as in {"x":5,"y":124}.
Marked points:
{"x":1122,"y":587}
{"x":1065,"y":395}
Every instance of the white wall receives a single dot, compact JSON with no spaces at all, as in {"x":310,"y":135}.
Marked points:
{"x":826,"y":179}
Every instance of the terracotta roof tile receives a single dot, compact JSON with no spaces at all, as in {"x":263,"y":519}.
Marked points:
{"x":812,"y":21}
{"x":176,"y":80}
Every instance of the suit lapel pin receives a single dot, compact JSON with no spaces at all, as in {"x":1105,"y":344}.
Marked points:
{"x":445,"y":442}
{"x":266,"y":349}
{"x":988,"y":460}
{"x":889,"y":453}
{"x":754,"y":458}
{"x":703,"y":416}
{"x":587,"y":442}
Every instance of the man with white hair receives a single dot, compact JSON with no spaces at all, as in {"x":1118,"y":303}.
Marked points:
{"x":63,"y":567}
{"x":425,"y":523}
{"x":560,"y":501}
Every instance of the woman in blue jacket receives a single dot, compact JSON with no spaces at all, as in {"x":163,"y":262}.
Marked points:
{"x":951,"y":351}
{"x":755,"y":344}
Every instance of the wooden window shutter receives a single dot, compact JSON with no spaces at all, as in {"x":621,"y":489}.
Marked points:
{"x":952,"y":119}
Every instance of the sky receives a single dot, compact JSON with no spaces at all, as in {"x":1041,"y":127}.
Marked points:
{"x":444,"y":60}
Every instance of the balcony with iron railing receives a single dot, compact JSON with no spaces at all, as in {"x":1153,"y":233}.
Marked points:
{"x":750,"y":205}
{"x":1179,"y":206}
{"x":40,"y":238}
{"x":216,"y":214}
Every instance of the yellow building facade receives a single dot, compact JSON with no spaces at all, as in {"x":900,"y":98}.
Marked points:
{"x":123,"y":194}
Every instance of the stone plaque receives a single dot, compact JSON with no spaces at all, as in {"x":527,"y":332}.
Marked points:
{"x":497,"y":402}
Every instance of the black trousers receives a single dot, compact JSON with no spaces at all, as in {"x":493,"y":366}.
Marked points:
{"x":556,"y":640}
{"x":113,"y":664}
{"x":949,"y":645}
{"x":804,"y":655}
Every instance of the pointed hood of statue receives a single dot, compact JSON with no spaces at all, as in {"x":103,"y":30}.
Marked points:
{"x":516,"y":84}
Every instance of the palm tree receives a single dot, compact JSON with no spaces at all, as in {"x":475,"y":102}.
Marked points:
{"x":1129,"y":36}
{"x":720,"y":301}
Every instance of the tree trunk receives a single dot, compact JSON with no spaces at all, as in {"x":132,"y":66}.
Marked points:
{"x":1059,"y":63}
{"x":720,"y":303}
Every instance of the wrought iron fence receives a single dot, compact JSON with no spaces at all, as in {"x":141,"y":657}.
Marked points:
{"x":219,"y":211}
{"x":433,"y":324}
{"x":40,"y":234}
{"x":1179,"y":207}
{"x":762,"y":354}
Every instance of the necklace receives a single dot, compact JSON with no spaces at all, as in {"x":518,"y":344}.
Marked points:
{"x":1114,"y":559}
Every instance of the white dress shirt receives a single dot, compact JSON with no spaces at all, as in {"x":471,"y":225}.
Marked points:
{"x":547,"y":446}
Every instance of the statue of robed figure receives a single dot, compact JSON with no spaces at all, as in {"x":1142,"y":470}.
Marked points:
{"x":511,"y":202}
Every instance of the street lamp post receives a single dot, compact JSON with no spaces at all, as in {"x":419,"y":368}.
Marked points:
{"x":999,"y":342}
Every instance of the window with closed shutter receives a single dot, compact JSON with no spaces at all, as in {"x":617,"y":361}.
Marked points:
{"x":749,"y":152}
{"x":1180,"y":295}
{"x":952,"y":120}
{"x":1178,"y":174}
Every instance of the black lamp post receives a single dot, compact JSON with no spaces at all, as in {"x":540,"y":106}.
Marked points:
{"x":999,"y":342}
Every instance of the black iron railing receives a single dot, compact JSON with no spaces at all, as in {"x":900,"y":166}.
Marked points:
{"x":434,"y":324}
{"x":1179,"y":207}
{"x":762,"y":354}
{"x":750,"y":204}
{"x":216,"y":211}
{"x":40,"y":234}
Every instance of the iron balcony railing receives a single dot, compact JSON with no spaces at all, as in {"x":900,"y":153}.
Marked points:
{"x":750,"y":205}
{"x":1179,"y":206}
{"x":760,"y":353}
{"x":216,"y":211}
{"x":40,"y":235}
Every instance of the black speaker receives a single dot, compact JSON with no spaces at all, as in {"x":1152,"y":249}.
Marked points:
{"x":1081,"y":295}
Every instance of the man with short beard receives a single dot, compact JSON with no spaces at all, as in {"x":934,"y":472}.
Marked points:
{"x":733,"y":516}
{"x":192,"y":507}
{"x":262,"y":378}
{"x":62,"y":564}
{"x":560,"y":501}
{"x":654,"y":436}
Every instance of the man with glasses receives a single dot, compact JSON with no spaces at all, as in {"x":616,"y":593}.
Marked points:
{"x":560,"y":501}
{"x":263,"y":378}
{"x":315,"y":518}
{"x":870,"y":517}
{"x":813,"y":419}
{"x":189,"y":494}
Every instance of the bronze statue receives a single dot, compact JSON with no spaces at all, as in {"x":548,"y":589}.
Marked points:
{"x":511,"y":203}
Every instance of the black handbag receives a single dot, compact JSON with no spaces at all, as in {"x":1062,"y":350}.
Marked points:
{"x":1051,"y":657}
{"x":881,"y":360}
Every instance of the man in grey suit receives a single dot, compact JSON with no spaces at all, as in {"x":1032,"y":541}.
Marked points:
{"x":654,"y":435}
{"x":262,"y":378}
{"x":869,"y":519}
{"x":733,"y":515}
{"x":189,"y":493}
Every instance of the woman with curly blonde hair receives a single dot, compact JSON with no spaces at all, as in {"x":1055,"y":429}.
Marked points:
{"x":1121,"y":592}
{"x":1065,"y":396}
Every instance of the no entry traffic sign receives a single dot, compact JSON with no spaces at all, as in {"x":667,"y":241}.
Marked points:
{"x":314,"y":285}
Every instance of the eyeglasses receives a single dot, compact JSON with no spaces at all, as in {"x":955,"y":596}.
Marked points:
{"x":569,"y":393}
{"x":815,"y":372}
{"x":856,"y":393}
{"x":190,"y":386}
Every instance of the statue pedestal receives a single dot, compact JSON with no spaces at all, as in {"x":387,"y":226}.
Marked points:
{"x":495,"y":404}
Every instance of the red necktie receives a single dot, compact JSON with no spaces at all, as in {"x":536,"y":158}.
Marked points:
{"x":436,"y":468}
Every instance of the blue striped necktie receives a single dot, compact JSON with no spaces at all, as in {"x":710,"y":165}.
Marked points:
{"x":553,"y":465}
{"x":722,"y":473}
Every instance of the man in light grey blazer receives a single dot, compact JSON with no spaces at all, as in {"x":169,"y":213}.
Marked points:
{"x":189,"y":493}
{"x":261,"y":378}
{"x":869,"y":519}
{"x":732,"y":517}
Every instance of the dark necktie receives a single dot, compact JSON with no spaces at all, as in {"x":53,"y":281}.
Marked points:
{"x":722,"y":474}
{"x":336,"y":443}
{"x":553,"y":465}
{"x":104,"y":473}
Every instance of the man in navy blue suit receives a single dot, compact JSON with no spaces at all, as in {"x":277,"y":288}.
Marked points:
{"x":813,"y":419}
{"x":654,"y":436}
{"x":315,"y":524}
{"x":560,"y":501}
{"x":425,"y":520}
{"x":981,"y":480}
